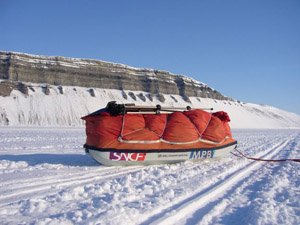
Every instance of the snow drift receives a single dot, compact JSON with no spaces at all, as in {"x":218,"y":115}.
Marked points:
{"x":57,"y":108}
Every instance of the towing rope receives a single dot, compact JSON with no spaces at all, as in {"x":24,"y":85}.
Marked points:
{"x":242,"y":155}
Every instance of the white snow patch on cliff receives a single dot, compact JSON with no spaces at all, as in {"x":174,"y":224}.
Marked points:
{"x":66,"y":109}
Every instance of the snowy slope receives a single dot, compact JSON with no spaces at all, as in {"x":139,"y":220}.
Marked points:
{"x":65,"y":109}
{"x":45,"y":178}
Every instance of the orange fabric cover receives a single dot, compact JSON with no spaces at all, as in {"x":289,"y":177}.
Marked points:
{"x":227,"y":129}
{"x":223,"y":116}
{"x":215,"y":130}
{"x":179,"y":128}
{"x":104,"y":130}
{"x":199,"y":118}
{"x":143,"y":127}
{"x":156,"y":123}
{"x":132,"y":123}
{"x":141,"y":135}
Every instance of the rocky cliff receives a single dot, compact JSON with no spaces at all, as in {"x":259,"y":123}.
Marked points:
{"x":16,"y":68}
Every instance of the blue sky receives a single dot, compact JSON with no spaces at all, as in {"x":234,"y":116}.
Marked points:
{"x":249,"y":50}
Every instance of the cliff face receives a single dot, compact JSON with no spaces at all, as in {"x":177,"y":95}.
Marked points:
{"x":17,"y":68}
{"x":58,"y":91}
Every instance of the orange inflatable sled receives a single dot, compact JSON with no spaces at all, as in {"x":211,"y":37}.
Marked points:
{"x":132,"y":135}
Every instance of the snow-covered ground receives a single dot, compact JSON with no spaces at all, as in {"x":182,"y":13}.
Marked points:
{"x":45,"y":178}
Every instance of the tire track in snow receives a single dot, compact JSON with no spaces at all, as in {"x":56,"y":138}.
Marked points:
{"x":186,"y":206}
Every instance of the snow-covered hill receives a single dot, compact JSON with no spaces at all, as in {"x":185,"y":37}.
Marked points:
{"x":65,"y":105}
{"x":57,"y":91}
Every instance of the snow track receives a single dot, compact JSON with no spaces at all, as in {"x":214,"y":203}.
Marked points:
{"x":58,"y":184}
{"x":36,"y":186}
{"x":192,"y":205}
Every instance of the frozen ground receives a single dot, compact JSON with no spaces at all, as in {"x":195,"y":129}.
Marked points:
{"x":45,"y":178}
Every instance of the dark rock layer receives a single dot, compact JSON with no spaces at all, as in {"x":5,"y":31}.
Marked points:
{"x":61,"y":71}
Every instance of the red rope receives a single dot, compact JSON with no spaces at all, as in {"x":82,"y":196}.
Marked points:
{"x":260,"y":159}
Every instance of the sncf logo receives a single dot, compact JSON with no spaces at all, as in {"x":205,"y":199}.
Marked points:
{"x":122,"y":156}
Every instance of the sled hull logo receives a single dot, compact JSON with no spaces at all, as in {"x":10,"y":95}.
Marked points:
{"x":202,"y":154}
{"x":124,"y":156}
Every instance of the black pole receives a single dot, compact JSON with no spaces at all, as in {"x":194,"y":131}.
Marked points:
{"x":116,"y":109}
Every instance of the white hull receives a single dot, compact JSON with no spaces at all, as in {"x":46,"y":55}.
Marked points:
{"x":126,"y":158}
